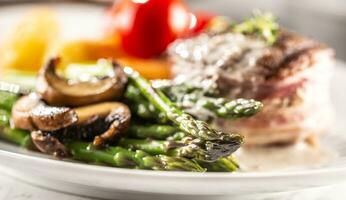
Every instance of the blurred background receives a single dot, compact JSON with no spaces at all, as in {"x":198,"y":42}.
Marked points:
{"x":324,"y":20}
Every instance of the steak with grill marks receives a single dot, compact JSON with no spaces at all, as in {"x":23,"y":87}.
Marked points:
{"x":290,"y":77}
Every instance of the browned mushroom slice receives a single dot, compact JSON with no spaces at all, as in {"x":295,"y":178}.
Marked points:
{"x":117,"y":115}
{"x":21,"y":111}
{"x":49,"y":144}
{"x":56,"y":90}
{"x":47,"y":118}
{"x":30,"y":113}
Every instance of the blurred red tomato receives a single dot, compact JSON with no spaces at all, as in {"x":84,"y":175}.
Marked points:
{"x":146,"y":27}
{"x":199,"y":21}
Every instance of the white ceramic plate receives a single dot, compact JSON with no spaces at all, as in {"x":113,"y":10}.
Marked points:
{"x":107,"y":182}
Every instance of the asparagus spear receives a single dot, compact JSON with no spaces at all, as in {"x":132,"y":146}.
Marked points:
{"x":155,"y":131}
{"x":191,"y":97}
{"x":121,"y":157}
{"x":141,"y":106}
{"x":185,"y":122}
{"x":187,"y":147}
{"x":16,"y":136}
{"x":4,"y":117}
{"x":220,"y":165}
{"x":231,"y":109}
{"x":175,"y":148}
{"x":7,"y":99}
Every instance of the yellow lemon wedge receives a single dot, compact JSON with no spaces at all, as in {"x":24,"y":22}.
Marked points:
{"x":26,"y":46}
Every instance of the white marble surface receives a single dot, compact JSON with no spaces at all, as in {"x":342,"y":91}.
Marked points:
{"x":11,"y":189}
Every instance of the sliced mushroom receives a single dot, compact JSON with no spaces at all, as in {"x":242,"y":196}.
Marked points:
{"x":21,"y":111}
{"x":30,"y":113}
{"x":49,"y":144}
{"x":47,"y":118}
{"x":105,"y":121}
{"x":58,"y":91}
{"x":116,"y":117}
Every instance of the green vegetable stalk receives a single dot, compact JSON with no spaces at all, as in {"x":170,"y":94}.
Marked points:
{"x":220,"y":165}
{"x":121,"y":157}
{"x":231,"y":109}
{"x":16,"y":136}
{"x":226,"y":143}
{"x":178,"y":148}
{"x":154,"y":131}
{"x":7,"y":99}
{"x":184,"y":148}
{"x":141,"y":106}
{"x":192,"y":97}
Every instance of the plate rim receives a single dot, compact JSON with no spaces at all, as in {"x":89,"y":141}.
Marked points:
{"x":175,"y":174}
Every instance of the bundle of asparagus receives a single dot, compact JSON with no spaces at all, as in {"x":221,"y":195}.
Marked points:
{"x":162,"y":135}
{"x":114,"y":156}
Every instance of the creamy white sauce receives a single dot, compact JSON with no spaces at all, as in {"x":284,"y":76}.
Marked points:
{"x":298,"y":156}
{"x":232,"y":53}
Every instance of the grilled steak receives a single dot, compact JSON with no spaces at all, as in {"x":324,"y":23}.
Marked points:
{"x":290,"y":77}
